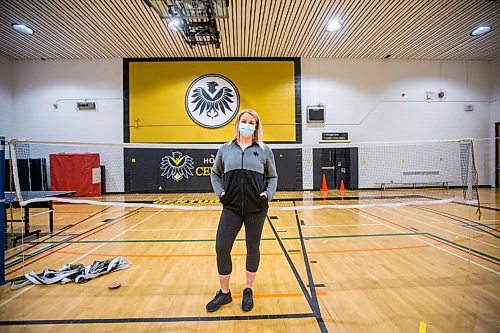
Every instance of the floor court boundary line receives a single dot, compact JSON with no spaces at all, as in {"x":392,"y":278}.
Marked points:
{"x":280,"y":253}
{"x":434,"y":246}
{"x":454,"y":216}
{"x":469,"y":250}
{"x":320,"y":321}
{"x":84,"y":255}
{"x":304,"y":227}
{"x":442,"y":229}
{"x":153,"y":319}
{"x":482,"y":207}
{"x":36,"y":252}
{"x":102,"y":227}
{"x":82,"y":232}
{"x":118,"y":235}
{"x":88,"y":218}
{"x":55,"y":244}
{"x":176,"y":319}
{"x":314,"y":297}
{"x":211,"y":240}
{"x":448,"y":241}
{"x":460,"y":219}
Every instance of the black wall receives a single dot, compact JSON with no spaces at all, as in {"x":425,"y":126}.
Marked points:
{"x":143,"y":172}
{"x":289,"y":168}
{"x":32,"y":174}
{"x":345,"y":163}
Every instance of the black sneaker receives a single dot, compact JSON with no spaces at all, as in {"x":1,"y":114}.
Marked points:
{"x":247,"y":302}
{"x":219,"y":300}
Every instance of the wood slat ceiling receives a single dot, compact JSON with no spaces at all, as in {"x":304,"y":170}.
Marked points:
{"x":373,"y":29}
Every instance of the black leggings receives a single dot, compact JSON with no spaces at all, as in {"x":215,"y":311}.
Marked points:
{"x":229,"y":225}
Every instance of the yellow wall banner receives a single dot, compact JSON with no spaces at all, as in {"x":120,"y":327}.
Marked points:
{"x":195,"y":101}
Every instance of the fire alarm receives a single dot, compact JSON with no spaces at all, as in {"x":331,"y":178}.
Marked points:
{"x":440,"y":94}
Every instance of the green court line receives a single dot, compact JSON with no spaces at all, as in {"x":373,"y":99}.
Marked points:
{"x":465,"y":248}
{"x":357,"y":236}
{"x":272,"y":239}
{"x":213,"y":240}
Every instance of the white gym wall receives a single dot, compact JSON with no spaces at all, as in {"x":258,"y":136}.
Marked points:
{"x":362,"y":97}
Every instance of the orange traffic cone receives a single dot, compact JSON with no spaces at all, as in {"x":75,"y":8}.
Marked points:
{"x":323,"y":184}
{"x":342,"y":188}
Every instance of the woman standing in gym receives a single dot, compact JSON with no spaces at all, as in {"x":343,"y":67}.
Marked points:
{"x":244,"y":178}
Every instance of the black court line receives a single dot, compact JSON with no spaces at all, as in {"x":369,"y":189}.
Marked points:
{"x":495,"y":224}
{"x":461,"y":220}
{"x":455,"y":245}
{"x":299,"y":279}
{"x":469,"y":205}
{"x":478,"y":206}
{"x":56,"y":234}
{"x":482,"y":207}
{"x":64,"y":241}
{"x":314,"y":297}
{"x":22,"y":258}
{"x":466,"y":219}
{"x":290,"y":262}
{"x":318,"y":285}
{"x":151,"y":319}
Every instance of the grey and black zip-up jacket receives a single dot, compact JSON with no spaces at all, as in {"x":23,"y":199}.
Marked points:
{"x":243,"y":175}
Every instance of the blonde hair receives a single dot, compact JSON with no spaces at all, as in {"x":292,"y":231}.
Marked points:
{"x":257,"y":135}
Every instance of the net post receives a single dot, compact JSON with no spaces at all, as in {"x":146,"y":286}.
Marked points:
{"x":15,"y":173}
{"x":470,"y":184}
{"x":2,"y":210}
{"x":469,"y":176}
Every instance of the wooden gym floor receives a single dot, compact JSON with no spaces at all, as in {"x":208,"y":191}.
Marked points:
{"x":432,"y":268}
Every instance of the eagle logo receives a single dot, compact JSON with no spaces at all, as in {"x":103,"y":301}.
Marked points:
{"x":177,"y":166}
{"x":212,"y":100}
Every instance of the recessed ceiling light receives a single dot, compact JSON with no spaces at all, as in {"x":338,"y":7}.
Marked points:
{"x":174,"y":24}
{"x":333,"y":26}
{"x":481,"y":30}
{"x":22,"y":28}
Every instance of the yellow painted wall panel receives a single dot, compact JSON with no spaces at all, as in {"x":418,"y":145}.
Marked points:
{"x":157,"y":91}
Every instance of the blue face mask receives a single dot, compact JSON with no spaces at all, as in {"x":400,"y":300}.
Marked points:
{"x":246,"y":129}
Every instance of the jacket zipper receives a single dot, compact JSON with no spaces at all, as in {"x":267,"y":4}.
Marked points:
{"x":242,"y":170}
